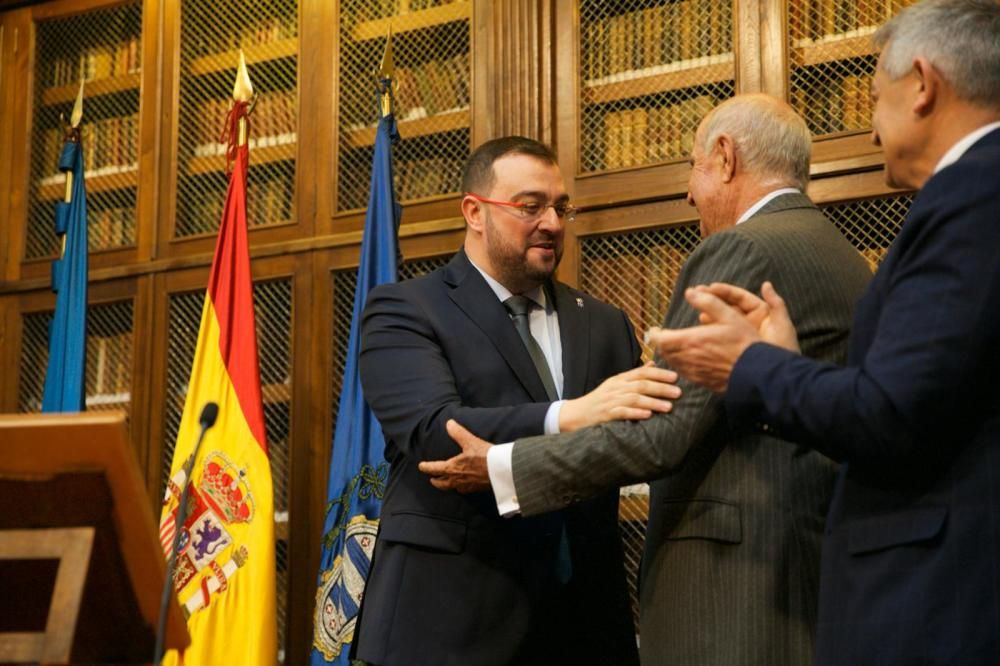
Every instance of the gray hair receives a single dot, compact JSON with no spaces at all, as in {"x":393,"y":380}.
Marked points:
{"x":961,"y":38}
{"x":771,"y":139}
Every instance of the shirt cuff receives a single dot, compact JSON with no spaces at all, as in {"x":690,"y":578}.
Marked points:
{"x":500,"y":467}
{"x":552,"y":417}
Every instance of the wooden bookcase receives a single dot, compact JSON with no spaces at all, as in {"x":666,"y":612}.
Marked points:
{"x":616,"y":86}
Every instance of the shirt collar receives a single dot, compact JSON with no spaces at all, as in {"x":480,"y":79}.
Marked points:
{"x":764,"y":200}
{"x":963,"y":144}
{"x":503,"y":293}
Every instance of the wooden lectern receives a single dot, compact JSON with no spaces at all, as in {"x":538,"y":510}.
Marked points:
{"x":81,"y":566}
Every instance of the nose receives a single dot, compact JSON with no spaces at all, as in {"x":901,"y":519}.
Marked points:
{"x":549,"y":219}
{"x":876,"y":141}
{"x":690,"y":198}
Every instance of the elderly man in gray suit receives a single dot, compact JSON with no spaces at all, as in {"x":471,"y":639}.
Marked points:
{"x":731,"y":566}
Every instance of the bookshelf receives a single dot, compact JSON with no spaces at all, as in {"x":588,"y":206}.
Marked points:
{"x":831,"y":60}
{"x":102,"y":48}
{"x":431,"y":50}
{"x":211,"y":38}
{"x":647,"y":75}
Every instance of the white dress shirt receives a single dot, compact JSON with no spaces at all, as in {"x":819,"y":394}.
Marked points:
{"x":544,"y":324}
{"x":963,"y":144}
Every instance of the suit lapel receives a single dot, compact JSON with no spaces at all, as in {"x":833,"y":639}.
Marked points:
{"x":475,"y":298}
{"x":574,"y":334}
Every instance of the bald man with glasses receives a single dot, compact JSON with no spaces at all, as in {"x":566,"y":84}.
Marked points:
{"x":493,"y":341}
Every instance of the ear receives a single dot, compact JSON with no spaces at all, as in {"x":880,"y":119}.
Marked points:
{"x":726,"y":149}
{"x":930,"y":86}
{"x":472,"y":211}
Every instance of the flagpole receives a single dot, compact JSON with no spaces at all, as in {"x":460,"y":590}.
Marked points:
{"x":228,"y":590}
{"x":74,"y":126}
{"x":358,"y":468}
{"x":243,"y":92}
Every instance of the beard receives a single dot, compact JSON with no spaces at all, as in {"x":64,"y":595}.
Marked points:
{"x":517,"y":270}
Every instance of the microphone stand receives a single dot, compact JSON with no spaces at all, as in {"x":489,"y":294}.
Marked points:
{"x":208,"y":415}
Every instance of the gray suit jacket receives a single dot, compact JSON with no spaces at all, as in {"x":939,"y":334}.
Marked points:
{"x":731,"y":567}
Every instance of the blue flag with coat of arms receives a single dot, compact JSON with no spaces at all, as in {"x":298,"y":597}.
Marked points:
{"x":358,"y":469}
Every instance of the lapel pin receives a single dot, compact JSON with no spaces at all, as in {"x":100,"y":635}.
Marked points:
{"x":579,"y":302}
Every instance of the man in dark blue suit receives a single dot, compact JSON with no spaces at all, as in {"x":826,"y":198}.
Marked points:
{"x":493,"y":341}
{"x":910,"y":568}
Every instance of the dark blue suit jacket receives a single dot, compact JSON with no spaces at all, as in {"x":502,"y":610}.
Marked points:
{"x":911,"y":558}
{"x":451,"y":581}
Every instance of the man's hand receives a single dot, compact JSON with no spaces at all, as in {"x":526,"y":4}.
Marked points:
{"x":768,"y":314}
{"x":467,"y":472}
{"x":706,"y":354}
{"x":633,"y":395}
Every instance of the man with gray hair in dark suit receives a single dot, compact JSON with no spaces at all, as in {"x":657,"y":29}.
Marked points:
{"x":731,"y":566}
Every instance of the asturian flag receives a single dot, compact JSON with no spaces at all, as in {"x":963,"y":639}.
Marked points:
{"x":225,"y":575}
{"x":358,"y":469}
{"x":64,"y":376}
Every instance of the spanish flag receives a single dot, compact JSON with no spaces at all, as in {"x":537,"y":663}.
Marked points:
{"x":225,"y":574}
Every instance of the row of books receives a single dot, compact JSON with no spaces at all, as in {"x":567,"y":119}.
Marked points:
{"x":272,"y":122}
{"x":647,"y":135}
{"x":108,"y":370}
{"x":816,"y":19}
{"x":96,"y":62}
{"x":414,"y":179}
{"x":268,"y":30}
{"x":675,"y":31}
{"x":268,"y":202}
{"x":108,"y":145}
{"x":433,"y":87}
{"x":110,"y":227}
{"x":845,"y":105}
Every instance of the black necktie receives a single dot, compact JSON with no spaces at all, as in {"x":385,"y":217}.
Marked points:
{"x":519,"y":307}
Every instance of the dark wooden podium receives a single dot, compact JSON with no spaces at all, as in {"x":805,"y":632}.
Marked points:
{"x":81,"y":566}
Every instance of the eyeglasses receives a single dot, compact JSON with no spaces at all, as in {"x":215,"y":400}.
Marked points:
{"x":530,"y":211}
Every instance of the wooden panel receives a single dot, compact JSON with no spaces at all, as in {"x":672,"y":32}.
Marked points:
{"x":106,"y":86}
{"x":774,"y":47}
{"x":747,"y":31}
{"x":220,"y":62}
{"x":445,"y":13}
{"x":654,"y":83}
{"x":17,"y":47}
{"x":518,"y":36}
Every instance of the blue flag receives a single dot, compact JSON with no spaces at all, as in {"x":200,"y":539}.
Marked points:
{"x":64,"y":377}
{"x":358,"y":470}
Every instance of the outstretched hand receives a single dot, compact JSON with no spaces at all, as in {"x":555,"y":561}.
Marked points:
{"x":467,"y":472}
{"x":633,"y":395}
{"x":731,"y":319}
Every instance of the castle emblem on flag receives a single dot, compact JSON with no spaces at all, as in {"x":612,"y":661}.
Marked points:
{"x":208,"y":554}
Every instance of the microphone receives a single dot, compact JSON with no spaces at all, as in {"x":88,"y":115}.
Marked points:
{"x":209,"y":413}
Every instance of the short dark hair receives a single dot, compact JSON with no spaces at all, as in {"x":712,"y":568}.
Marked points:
{"x":477,"y":176}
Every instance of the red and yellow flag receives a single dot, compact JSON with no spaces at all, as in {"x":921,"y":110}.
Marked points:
{"x":225,"y":575}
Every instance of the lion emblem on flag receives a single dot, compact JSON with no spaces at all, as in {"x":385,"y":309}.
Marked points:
{"x":208,"y":555}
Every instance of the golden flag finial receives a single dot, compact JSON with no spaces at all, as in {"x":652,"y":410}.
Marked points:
{"x":387,"y":68}
{"x":77,"y":115}
{"x":74,"y":123}
{"x":385,"y":72}
{"x":242,"y":89}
